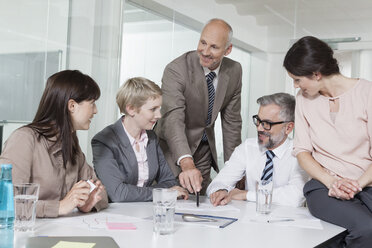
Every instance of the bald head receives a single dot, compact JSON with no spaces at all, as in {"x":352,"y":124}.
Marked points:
{"x":222,"y":25}
{"x":214,"y":43}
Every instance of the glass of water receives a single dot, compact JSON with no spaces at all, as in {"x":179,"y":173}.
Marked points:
{"x":25,"y":198}
{"x":264,"y":194}
{"x":164,"y":203}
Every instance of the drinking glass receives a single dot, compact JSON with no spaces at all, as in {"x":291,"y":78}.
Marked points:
{"x":264,"y":194}
{"x":164,"y":203}
{"x":25,"y":198}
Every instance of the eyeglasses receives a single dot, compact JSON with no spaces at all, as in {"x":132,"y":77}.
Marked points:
{"x":265,"y":124}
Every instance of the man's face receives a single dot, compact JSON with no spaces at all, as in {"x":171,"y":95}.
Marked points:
{"x":270,"y":139}
{"x":212,"y":45}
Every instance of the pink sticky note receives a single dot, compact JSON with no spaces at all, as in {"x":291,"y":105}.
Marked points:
{"x":120,"y":226}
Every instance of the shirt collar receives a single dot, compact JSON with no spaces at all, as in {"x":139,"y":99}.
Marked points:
{"x":280,"y":150}
{"x":207,"y":71}
{"x":143,"y":138}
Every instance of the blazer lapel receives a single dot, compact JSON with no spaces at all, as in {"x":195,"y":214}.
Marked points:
{"x":201,"y":83}
{"x":127,"y":150}
{"x":152,"y":158}
{"x":223,"y":81}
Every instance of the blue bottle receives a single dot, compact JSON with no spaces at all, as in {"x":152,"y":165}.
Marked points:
{"x":6,"y":238}
{"x":6,"y":197}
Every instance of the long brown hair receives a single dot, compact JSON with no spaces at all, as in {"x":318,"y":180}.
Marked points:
{"x":53,"y":120}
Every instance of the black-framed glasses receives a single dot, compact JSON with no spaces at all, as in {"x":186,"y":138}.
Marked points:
{"x":265,"y":124}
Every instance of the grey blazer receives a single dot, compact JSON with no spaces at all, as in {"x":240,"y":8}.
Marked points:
{"x":116,"y":165}
{"x":185,"y":108}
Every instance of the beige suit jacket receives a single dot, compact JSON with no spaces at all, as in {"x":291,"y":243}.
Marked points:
{"x":185,"y":108}
{"x":37,"y":161}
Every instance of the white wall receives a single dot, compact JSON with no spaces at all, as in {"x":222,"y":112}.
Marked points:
{"x":267,"y":77}
{"x":208,"y":9}
{"x":95,"y":49}
{"x":365,"y":61}
{"x":155,"y":45}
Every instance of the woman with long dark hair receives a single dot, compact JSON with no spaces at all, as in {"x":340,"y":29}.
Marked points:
{"x":47,"y":150}
{"x":333,"y":139}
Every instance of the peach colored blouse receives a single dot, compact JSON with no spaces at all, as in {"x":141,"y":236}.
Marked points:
{"x":342,"y":147}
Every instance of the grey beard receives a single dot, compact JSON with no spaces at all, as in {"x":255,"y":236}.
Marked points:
{"x":274,"y":140}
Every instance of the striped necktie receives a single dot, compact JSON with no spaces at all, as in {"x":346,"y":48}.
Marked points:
{"x":267,"y":173}
{"x":209,"y":78}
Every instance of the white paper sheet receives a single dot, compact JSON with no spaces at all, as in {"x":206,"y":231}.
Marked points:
{"x":279,"y":215}
{"x":96,"y":220}
{"x":203,"y":206}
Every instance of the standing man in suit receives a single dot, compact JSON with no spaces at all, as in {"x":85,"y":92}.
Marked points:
{"x":196,"y":87}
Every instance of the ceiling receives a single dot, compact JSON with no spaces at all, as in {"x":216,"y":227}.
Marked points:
{"x":270,"y":25}
{"x":323,"y":18}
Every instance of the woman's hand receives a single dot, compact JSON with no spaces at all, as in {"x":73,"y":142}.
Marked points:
{"x":181,"y":192}
{"x":94,"y":197}
{"x":344,"y":188}
{"x":76,"y":197}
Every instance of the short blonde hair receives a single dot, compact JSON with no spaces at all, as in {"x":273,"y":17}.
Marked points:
{"x":135,"y":92}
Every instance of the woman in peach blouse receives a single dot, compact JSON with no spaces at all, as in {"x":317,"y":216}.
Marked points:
{"x":333,"y":139}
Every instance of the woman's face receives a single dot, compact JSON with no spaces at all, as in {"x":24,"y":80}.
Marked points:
{"x":148,"y":114}
{"x":310,"y":86}
{"x":82,"y":113}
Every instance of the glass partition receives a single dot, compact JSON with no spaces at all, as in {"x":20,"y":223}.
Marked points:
{"x":41,"y":37}
{"x":33,"y":39}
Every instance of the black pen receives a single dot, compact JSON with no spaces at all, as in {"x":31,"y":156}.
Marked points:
{"x":197,"y":199}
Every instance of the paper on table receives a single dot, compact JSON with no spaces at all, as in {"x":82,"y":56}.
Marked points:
{"x":203,"y":206}
{"x":67,"y":244}
{"x":302,"y":217}
{"x":218,"y":221}
{"x":97,"y":220}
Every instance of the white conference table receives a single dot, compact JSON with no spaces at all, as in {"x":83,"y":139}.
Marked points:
{"x":240,"y":233}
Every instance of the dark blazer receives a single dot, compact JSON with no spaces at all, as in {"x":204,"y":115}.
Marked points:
{"x":185,"y":108}
{"x":116,"y":165}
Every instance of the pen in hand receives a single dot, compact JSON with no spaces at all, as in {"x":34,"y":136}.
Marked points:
{"x":280,"y":220}
{"x":197,"y":199}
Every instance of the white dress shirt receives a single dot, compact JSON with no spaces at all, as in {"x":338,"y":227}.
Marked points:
{"x":247,"y":159}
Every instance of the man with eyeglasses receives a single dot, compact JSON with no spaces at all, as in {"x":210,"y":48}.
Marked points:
{"x":274,"y":122}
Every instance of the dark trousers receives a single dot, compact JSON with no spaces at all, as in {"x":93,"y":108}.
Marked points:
{"x":203,"y":161}
{"x":355,"y":215}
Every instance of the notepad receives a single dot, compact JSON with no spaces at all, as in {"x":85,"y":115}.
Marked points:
{"x":220,"y":222}
{"x":71,"y":242}
{"x":68,"y":244}
{"x":120,"y":226}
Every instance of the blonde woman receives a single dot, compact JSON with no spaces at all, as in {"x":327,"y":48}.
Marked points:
{"x":126,"y":155}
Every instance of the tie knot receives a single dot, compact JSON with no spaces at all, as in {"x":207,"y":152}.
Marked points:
{"x":210,"y":76}
{"x":270,"y":154}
